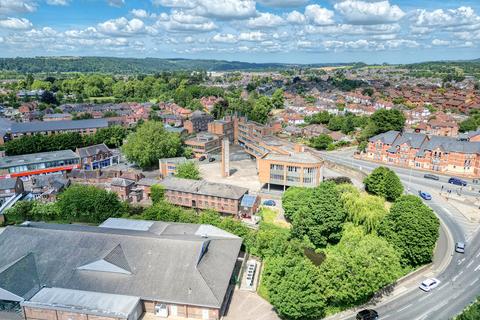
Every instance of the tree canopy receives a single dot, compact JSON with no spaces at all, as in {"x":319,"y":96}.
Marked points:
{"x":384,"y":182}
{"x":321,"y":142}
{"x":151,"y":142}
{"x":188,"y":170}
{"x":412,"y":227}
{"x":385,"y":120}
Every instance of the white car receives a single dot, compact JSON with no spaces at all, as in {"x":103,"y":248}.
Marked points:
{"x":429,"y":284}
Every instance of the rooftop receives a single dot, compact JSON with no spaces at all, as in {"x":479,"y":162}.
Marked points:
{"x":93,"y":150}
{"x":204,"y":188}
{"x":122,"y":258}
{"x":33,"y":158}
{"x":294,"y":157}
{"x":39,"y":126}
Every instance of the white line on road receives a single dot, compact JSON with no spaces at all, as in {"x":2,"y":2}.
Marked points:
{"x":471,"y":284}
{"x":478,"y":255}
{"x":424,"y":297}
{"x":469,"y":264}
{"x":461,"y":261}
{"x":477,"y":268}
{"x":458,"y":275}
{"x":404,"y":308}
{"x":442,"y":286}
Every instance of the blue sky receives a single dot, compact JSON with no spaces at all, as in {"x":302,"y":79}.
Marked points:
{"x":294,"y":31}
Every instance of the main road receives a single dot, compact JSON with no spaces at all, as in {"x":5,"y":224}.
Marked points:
{"x":459,"y":284}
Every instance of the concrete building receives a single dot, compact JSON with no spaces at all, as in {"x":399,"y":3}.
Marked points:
{"x":168,"y":166}
{"x":200,"y":194}
{"x":204,"y":143}
{"x":299,"y":169}
{"x":432,"y":153}
{"x":222,"y":128}
{"x":122,"y":269}
{"x":38,"y":163}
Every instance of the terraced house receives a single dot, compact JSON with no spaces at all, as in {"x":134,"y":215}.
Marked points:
{"x":455,"y":156}
{"x":122,"y":270}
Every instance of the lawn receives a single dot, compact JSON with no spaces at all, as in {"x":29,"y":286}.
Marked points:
{"x":270,"y":216}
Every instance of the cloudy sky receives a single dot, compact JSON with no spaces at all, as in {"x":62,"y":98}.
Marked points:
{"x":295,"y":31}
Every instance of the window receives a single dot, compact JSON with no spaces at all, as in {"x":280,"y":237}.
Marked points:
{"x":292,"y":169}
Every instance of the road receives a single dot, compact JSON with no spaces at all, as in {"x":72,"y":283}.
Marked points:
{"x":459,"y":280}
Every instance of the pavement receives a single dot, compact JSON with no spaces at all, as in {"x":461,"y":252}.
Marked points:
{"x":246,"y":305}
{"x":459,"y":273}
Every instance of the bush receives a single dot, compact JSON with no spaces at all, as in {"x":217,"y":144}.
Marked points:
{"x":385,"y":183}
{"x":472,"y":312}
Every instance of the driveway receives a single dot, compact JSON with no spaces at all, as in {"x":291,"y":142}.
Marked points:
{"x":249,"y":305}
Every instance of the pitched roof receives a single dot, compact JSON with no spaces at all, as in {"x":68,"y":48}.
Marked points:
{"x":386,"y":137}
{"x":204,"y":187}
{"x":157,"y":259}
{"x":6,"y":184}
{"x":93,"y":150}
{"x":120,"y":182}
{"x":40,"y":126}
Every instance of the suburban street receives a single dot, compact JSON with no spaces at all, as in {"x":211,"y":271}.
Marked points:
{"x":459,"y":279}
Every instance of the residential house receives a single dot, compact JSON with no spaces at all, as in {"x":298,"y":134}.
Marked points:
{"x":97,"y":157}
{"x":46,"y":188}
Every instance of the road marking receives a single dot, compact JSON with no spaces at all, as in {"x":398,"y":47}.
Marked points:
{"x":478,"y":255}
{"x":458,"y":275}
{"x":385,"y":316}
{"x":471,"y":284}
{"x":477,"y":268}
{"x":424,"y":297}
{"x":442,"y":286}
{"x":469,"y":264}
{"x":404,"y":308}
{"x":461,"y":261}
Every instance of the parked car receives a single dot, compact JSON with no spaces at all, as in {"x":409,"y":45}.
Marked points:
{"x":431,"y":176}
{"x":429,"y":284}
{"x":367,"y":314}
{"x":425,"y":195}
{"x":211,"y":159}
{"x":457,"y":181}
{"x":460,"y":247}
{"x":202,"y":158}
{"x":269,"y":203}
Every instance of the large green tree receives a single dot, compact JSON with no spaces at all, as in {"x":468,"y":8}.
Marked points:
{"x":321,"y":218}
{"x":261,"y":109}
{"x":384,"y":182}
{"x":151,"y":142}
{"x":357,"y":267}
{"x":386,"y":120}
{"x":88,"y":204}
{"x":278,"y":101}
{"x":321,"y":142}
{"x":412,"y":227}
{"x":293,"y":287}
{"x":294,"y":198}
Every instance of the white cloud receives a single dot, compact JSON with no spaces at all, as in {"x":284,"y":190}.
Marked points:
{"x":318,"y":15}
{"x":440,"y":42}
{"x":116,"y":3}
{"x":265,"y":20}
{"x":15,"y":23}
{"x":254,"y":36}
{"x":283,"y":3}
{"x":364,"y":12}
{"x":122,"y":26}
{"x":58,"y":2}
{"x":181,"y":21}
{"x":140,"y":13}
{"x":224,"y":38}
{"x":462,"y":16}
{"x":17,"y":6}
{"x":350,"y":29}
{"x":226,"y":9}
{"x":296,"y":17}
{"x":175,"y":3}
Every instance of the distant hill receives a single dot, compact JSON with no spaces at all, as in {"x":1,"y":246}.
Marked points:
{"x":132,"y":65}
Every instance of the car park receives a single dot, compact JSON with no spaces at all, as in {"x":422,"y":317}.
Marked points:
{"x":431,"y":176}
{"x":367,"y":314}
{"x":458,"y":182}
{"x":429,"y":284}
{"x":460,"y":247}
{"x":269,"y":203}
{"x":425,"y":195}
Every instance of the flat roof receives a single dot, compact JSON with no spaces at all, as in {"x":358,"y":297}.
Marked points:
{"x":89,"y":302}
{"x":203,"y":187}
{"x":298,"y":157}
{"x":32,"y":158}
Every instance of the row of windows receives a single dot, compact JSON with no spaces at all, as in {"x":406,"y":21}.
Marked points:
{"x":44,"y":165}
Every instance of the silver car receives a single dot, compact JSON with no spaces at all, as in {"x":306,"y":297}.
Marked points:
{"x":460,"y":247}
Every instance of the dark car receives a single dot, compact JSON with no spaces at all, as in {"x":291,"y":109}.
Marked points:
{"x":202,"y":158}
{"x":269,"y":203}
{"x":425,"y":195}
{"x":457,"y":181}
{"x":431,"y":176}
{"x":367,"y":314}
{"x":211,"y":159}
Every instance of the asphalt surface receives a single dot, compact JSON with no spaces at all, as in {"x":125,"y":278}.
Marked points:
{"x":459,"y":280}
